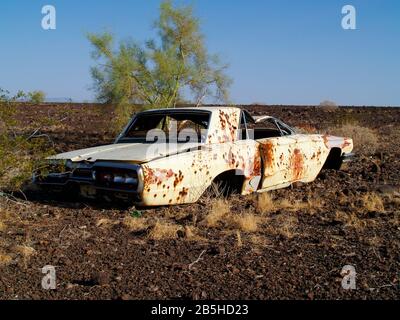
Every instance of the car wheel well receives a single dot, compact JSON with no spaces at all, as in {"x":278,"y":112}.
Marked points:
{"x":228,"y":182}
{"x":334,"y":159}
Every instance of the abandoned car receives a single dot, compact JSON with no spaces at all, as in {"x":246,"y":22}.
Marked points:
{"x":171,"y":156}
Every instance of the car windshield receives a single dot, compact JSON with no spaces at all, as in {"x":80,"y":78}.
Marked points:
{"x":182,"y":126}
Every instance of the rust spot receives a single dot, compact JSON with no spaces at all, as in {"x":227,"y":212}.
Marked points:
{"x":313,"y":156}
{"x":267,"y":154}
{"x":255,"y":165}
{"x":178,"y":178}
{"x":184,"y":192}
{"x":297,"y":164}
{"x":227,"y":122}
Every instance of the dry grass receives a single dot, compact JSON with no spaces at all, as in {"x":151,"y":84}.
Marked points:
{"x":5,"y":259}
{"x":246,"y":222}
{"x":350,"y":220}
{"x":105,"y":222}
{"x":135,"y":224}
{"x":374,"y":241}
{"x":265,"y":203}
{"x":25,"y":251}
{"x":288,"y":225}
{"x":284,"y":225}
{"x":365,"y":139}
{"x":373,"y":203}
{"x":220,"y":208}
{"x":294,"y":206}
{"x":239,"y":239}
{"x":3,"y":226}
{"x":259,"y":240}
{"x":192,"y":234}
{"x":164,"y":230}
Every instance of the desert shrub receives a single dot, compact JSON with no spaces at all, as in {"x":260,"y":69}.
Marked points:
{"x":20,"y":153}
{"x":365,"y":139}
{"x":36,"y":97}
{"x":328,"y":105}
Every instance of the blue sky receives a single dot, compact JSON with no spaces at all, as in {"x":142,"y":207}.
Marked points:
{"x":279,"y":52}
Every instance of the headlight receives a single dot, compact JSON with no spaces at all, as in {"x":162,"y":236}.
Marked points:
{"x":117,"y":177}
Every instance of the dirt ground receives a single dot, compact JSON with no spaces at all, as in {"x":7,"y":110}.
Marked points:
{"x":289,"y":244}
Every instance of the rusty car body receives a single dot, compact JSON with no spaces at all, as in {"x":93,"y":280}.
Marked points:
{"x":224,"y":144}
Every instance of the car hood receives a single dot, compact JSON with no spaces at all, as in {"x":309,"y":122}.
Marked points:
{"x":131,"y":152}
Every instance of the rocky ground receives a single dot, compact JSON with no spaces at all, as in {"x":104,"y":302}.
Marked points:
{"x":287,"y":244}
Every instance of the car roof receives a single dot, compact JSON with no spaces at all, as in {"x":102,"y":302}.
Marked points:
{"x":200,"y":108}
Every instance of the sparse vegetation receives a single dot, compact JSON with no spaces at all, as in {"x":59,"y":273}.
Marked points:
{"x":328,"y":105}
{"x":164,"y":230}
{"x":136,"y":224}
{"x":265,"y":204}
{"x":220,"y":208}
{"x":20,"y":154}
{"x":365,"y":139}
{"x":246,"y":222}
{"x":2,"y":226}
{"x":36,"y":97}
{"x":350,"y":220}
{"x":373,"y":203}
{"x":5,"y":259}
{"x":105,"y":223}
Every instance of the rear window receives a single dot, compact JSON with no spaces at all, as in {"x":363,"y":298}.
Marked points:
{"x":167,"y":125}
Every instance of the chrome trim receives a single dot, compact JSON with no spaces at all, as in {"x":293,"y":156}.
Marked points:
{"x":348,"y":157}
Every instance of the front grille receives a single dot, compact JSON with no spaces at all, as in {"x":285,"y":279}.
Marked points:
{"x":82,"y":174}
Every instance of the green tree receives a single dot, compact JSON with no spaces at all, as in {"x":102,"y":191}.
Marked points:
{"x":160,"y":72}
{"x":36,"y":97}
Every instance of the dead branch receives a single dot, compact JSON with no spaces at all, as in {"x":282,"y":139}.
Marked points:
{"x":197,"y":260}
